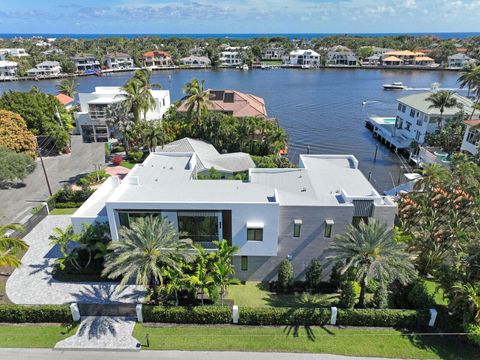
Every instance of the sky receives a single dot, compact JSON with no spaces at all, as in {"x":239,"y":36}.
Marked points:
{"x":240,"y":16}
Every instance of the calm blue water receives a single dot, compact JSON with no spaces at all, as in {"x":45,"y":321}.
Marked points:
{"x":321,"y":109}
{"x":441,"y":35}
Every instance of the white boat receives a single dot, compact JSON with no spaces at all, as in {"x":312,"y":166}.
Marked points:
{"x":394,"y":86}
{"x":306,"y":66}
{"x":245,"y":67}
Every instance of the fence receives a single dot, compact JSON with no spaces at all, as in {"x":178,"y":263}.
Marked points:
{"x":33,"y":221}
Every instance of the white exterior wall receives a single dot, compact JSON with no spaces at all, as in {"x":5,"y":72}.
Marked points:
{"x":468,"y":146}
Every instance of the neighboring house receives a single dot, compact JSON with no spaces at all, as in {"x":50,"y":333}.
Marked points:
{"x":459,"y":61}
{"x":378,"y":51}
{"x":46,"y":68}
{"x":276,"y":214}
{"x":52,"y":51}
{"x":208,"y":157}
{"x":119,"y":61}
{"x":274,"y":53}
{"x":157,"y":58}
{"x":406,"y":57}
{"x":230,"y":58}
{"x":8,"y":69}
{"x":195,"y":61}
{"x":233,"y":103}
{"x":17,"y":52}
{"x":86,"y":63}
{"x":471,"y":138}
{"x":91,"y":119}
{"x":303,"y":57}
{"x":374,"y":60}
{"x":197,"y":51}
{"x":65,"y":100}
{"x":342,"y":58}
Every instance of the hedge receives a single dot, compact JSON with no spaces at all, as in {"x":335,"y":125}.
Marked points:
{"x":35,"y":314}
{"x":68,"y":205}
{"x":283,"y":316}
{"x":188,"y":315}
{"x":383,"y":317}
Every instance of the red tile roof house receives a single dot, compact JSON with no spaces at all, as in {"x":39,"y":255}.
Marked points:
{"x":233,"y":103}
{"x":157,"y":58}
{"x":65,"y":100}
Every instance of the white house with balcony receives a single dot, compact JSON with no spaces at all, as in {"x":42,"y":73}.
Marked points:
{"x":119,"y":61}
{"x":16,"y":52}
{"x":45,"y":69}
{"x":303,"y":57}
{"x":230,"y":58}
{"x":460,"y":61}
{"x":276,"y":214}
{"x":86,"y":63}
{"x":471,"y":138}
{"x":91,"y":120}
{"x":8,"y":69}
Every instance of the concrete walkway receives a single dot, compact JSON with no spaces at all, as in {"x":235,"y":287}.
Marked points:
{"x":102,"y":333}
{"x":32,"y":283}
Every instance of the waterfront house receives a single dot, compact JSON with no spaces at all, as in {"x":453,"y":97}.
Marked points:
{"x":233,"y":103}
{"x":276,"y":214}
{"x":195,"y":61}
{"x":16,"y":52}
{"x":392,"y":61}
{"x":407,"y":57}
{"x":341,"y":55}
{"x":118,"y":60}
{"x":157,"y":58}
{"x":65,"y":100}
{"x":86,"y":63}
{"x":303,"y":57}
{"x":460,"y":61}
{"x":379,"y":51}
{"x":46,"y":68}
{"x":92,"y":118}
{"x":230,"y":58}
{"x":471,"y":138}
{"x":8,"y":69}
{"x":273,"y":53}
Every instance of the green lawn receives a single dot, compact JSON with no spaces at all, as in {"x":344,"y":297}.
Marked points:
{"x":127,"y":164}
{"x":437,"y":292}
{"x":382,"y":342}
{"x":254,"y":294}
{"x":33,"y":335}
{"x":67,"y":211}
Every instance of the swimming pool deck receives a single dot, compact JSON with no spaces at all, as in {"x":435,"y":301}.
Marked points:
{"x":383,"y":128}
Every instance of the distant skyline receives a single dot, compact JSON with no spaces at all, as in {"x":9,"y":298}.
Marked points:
{"x":247,"y":16}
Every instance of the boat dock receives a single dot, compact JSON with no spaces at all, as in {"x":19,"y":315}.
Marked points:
{"x":383,"y":128}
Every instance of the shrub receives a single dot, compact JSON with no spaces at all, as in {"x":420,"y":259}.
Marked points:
{"x":383,"y":317}
{"x":335,"y":276}
{"x":348,"y":295}
{"x":35,"y":314}
{"x":419,"y":297}
{"x":188,"y":315}
{"x":68,"y":205}
{"x":93,"y":177}
{"x":135,"y":156}
{"x":118,"y":149}
{"x":473,"y":335}
{"x":313,"y":274}
{"x":283,"y":316}
{"x":68,"y":195}
{"x":15,"y":135}
{"x":380,"y":297}
{"x":285,"y":276}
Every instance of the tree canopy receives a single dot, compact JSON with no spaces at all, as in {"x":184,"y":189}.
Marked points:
{"x":14,"y":134}
{"x":14,"y":166}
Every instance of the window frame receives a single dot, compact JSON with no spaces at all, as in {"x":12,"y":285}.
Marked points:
{"x":244,"y":263}
{"x":255,"y":231}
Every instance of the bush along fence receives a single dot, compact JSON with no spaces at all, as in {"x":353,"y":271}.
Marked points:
{"x":35,"y":314}
{"x":288,"y":316}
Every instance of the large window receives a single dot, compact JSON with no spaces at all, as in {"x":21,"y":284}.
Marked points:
{"x":254,"y":234}
{"x":127,"y":217}
{"x":473,"y":136}
{"x":328,"y":228}
{"x":297,"y":227}
{"x":244,"y":264}
{"x":199,"y":225}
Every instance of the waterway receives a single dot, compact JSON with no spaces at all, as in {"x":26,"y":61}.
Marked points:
{"x":322,"y":110}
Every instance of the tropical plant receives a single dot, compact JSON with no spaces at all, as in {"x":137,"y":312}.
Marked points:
{"x":118,"y":118}
{"x":432,"y":175}
{"x":63,"y":238}
{"x":67,"y":87}
{"x":467,"y":297}
{"x":138,"y":97}
{"x":144,"y":250}
{"x":176,"y":281}
{"x":371,"y":249}
{"x":13,"y":166}
{"x":153,"y":134}
{"x":313,"y":274}
{"x":197,"y":100}
{"x":441,"y":100}
{"x":223,"y":269}
{"x":285,"y":275}
{"x":9,"y":246}
{"x":380,"y":297}
{"x":348,"y":294}
{"x":470,"y":79}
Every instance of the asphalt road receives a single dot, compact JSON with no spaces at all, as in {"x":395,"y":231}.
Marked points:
{"x":16,"y":204}
{"x":47,"y":354}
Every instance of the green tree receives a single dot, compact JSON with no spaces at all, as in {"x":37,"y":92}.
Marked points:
{"x":153,"y":134}
{"x":197,"y":100}
{"x":138,"y":96}
{"x":285,"y":275}
{"x":67,"y":87}
{"x":223,"y":269}
{"x":14,"y":167}
{"x":202,"y":280}
{"x":175,"y":281}
{"x":122,"y":122}
{"x":144,"y":250}
{"x":313,"y":274}
{"x":441,"y":100}
{"x":14,"y":134}
{"x":9,"y":246}
{"x":467,"y":298}
{"x":380,"y":297}
{"x":63,"y":238}
{"x":374,"y":253}
{"x":348,"y":295}
{"x":470,"y":79}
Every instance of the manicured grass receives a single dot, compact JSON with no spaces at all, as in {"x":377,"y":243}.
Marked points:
{"x":127,"y":164}
{"x":67,"y":211}
{"x":33,"y":335}
{"x":383,"y":342}
{"x":436,"y":291}
{"x":255,"y":294}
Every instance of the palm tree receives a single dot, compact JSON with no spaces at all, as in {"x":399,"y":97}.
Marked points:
{"x":153,"y":135}
{"x":442,"y":100}
{"x":197,"y":99}
{"x":67,"y":87}
{"x":432,"y":175}
{"x":372,"y":251}
{"x":470,"y":78}
{"x":176,"y":282}
{"x":139,"y":99}
{"x":201,"y":280}
{"x":146,"y":248}
{"x":223,"y":268}
{"x":62,"y":238}
{"x":10,"y":245}
{"x":118,"y":118}
{"x":467,"y":295}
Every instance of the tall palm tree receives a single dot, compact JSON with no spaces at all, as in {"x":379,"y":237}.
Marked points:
{"x":223,"y":269}
{"x":176,"y":282}
{"x":143,"y":252}
{"x":153,"y":135}
{"x":470,"y":79}
{"x":442,"y":100}
{"x":197,"y":99}
{"x":432,"y":175}
{"x":372,"y":251}
{"x":68,"y":87}
{"x":10,"y":245}
{"x":138,"y":97}
{"x":118,"y":118}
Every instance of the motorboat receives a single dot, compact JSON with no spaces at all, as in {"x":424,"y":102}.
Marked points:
{"x":394,"y":86}
{"x":245,"y":67}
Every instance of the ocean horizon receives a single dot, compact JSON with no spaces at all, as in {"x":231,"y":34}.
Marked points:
{"x":240,"y":36}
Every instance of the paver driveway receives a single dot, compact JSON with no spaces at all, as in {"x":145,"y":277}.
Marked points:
{"x":32,"y":283}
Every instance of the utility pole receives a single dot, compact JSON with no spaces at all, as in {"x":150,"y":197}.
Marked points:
{"x":43,"y":167}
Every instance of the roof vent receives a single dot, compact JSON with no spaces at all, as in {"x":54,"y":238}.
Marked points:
{"x":171,"y":167}
{"x":303,"y":190}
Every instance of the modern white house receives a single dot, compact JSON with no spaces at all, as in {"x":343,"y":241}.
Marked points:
{"x":459,"y":61}
{"x":86,"y":63}
{"x":273,"y":53}
{"x":17,"y":52}
{"x":46,"y":68}
{"x":91,"y":120}
{"x":471,"y":138}
{"x":230,"y":58}
{"x":277,"y":214}
{"x":195,"y":61}
{"x":119,"y":61}
{"x":303,"y":57}
{"x":8,"y":69}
